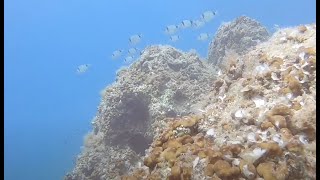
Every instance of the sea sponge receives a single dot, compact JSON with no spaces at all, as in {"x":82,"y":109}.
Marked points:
{"x":224,"y":170}
{"x":273,"y":149}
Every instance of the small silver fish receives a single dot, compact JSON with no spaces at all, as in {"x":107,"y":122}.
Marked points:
{"x":83,"y":68}
{"x":174,"y":38}
{"x":197,"y":23}
{"x":186,"y":24}
{"x":116,"y":54}
{"x":135,"y":39}
{"x":128,"y":59}
{"x":132,"y":51}
{"x":171,"y":29}
{"x":208,"y":16}
{"x":203,"y":36}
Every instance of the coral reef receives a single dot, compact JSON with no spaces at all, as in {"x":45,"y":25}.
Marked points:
{"x":254,"y":119}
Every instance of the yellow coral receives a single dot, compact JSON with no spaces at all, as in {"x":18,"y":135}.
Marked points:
{"x":265,"y":125}
{"x":295,"y":147}
{"x":175,"y":172}
{"x":272,"y":148}
{"x":266,"y":170}
{"x":169,"y":155}
{"x":180,"y":150}
{"x":187,"y":121}
{"x":224,"y":170}
{"x":280,"y":109}
{"x":235,"y":149}
{"x":278,"y":121}
{"x":172,"y":143}
{"x":186,"y":139}
{"x":209,"y":171}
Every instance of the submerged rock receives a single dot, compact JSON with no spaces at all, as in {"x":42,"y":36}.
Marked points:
{"x":145,"y":127}
{"x":163,"y":83}
{"x":237,"y":36}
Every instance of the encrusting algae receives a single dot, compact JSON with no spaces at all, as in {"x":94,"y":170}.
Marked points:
{"x":248,"y":112}
{"x":276,"y":145}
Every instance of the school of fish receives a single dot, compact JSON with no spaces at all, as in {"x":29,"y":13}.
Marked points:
{"x":171,"y":30}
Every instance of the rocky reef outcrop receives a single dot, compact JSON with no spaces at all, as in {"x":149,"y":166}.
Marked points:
{"x":259,"y":124}
{"x":171,"y":115}
{"x":238,"y":36}
{"x":163,"y":83}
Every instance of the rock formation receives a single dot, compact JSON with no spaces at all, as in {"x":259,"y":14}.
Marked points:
{"x":237,"y":36}
{"x":171,"y":115}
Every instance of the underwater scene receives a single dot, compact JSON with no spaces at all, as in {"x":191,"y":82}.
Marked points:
{"x":159,"y":90}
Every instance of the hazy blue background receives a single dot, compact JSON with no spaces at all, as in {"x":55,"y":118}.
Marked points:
{"x":48,"y":107}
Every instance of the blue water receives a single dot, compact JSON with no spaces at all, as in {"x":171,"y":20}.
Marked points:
{"x":48,"y":107}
